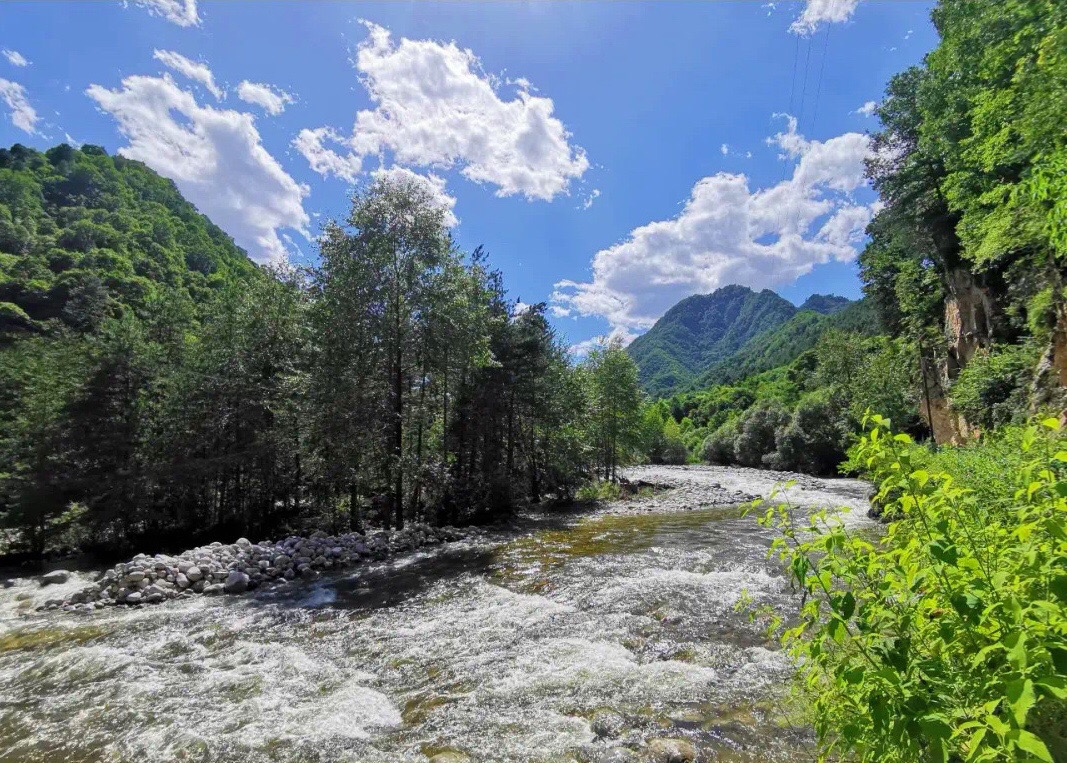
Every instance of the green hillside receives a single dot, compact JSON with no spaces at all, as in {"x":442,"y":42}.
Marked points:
{"x":83,"y":234}
{"x":702,"y":329}
{"x":782,"y":345}
{"x":825,"y":304}
{"x":734,"y":332}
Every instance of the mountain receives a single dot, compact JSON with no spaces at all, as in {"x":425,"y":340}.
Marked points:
{"x":782,"y":345}
{"x":825,"y":304}
{"x":702,"y":329}
{"x":734,"y":332}
{"x":84,"y":235}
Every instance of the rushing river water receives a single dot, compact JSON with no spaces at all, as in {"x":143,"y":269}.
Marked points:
{"x":564,"y":640}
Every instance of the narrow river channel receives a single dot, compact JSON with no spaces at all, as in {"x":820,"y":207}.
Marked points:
{"x":582,"y":637}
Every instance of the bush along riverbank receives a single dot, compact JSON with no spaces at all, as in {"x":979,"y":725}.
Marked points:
{"x":946,"y":639}
{"x":235,"y":568}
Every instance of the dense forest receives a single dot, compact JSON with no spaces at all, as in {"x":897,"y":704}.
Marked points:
{"x":156,"y":386}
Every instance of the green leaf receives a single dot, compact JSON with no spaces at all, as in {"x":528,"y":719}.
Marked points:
{"x":1059,"y":659}
{"x":1017,"y":656}
{"x":944,"y":551}
{"x":848,"y":605}
{"x":1020,"y":696}
{"x":1058,"y":587}
{"x":1054,"y":686}
{"x":1055,"y":528}
{"x":1028,"y":742}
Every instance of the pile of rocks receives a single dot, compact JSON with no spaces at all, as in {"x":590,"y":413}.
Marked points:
{"x":242,"y":566}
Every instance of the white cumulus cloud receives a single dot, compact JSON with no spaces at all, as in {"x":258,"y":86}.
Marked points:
{"x":728,"y":232}
{"x":180,"y":12}
{"x":325,"y":160}
{"x":271,"y":99}
{"x":215,"y":156}
{"x":194,"y":70}
{"x":22,"y":114}
{"x":822,"y":11}
{"x":867,"y":109}
{"x":15,"y":58}
{"x":435,"y":107}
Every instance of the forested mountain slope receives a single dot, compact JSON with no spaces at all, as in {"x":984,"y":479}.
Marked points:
{"x":784,"y":344}
{"x":825,"y":304}
{"x":701,"y":329}
{"x":83,"y":233}
{"x":735,"y":332}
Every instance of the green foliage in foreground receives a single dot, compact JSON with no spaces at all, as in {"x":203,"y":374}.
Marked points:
{"x":947,"y":638}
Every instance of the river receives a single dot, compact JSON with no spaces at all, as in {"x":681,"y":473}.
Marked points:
{"x":580,"y":637}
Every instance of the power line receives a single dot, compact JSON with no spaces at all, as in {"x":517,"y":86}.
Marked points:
{"x":804,"y":89}
{"x":793,"y":82}
{"x":822,"y":68}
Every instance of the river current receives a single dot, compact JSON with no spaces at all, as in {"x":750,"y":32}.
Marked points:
{"x":580,"y":637}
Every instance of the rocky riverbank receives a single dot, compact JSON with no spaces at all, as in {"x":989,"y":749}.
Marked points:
{"x":235,"y":568}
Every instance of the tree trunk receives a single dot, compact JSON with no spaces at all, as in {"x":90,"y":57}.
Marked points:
{"x":398,"y":426}
{"x":355,"y":520}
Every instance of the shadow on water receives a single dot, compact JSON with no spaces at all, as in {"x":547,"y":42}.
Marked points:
{"x":382,"y":585}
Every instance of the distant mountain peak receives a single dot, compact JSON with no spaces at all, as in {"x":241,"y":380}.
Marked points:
{"x":825,"y":304}
{"x":712,"y":338}
{"x":701,"y":329}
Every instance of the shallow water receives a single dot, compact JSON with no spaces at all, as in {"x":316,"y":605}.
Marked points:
{"x":503,"y":648}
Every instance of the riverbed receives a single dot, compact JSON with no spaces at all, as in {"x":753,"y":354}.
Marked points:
{"x":582,"y":636}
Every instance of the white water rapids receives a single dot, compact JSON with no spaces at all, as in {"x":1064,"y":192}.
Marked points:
{"x":509,"y":647}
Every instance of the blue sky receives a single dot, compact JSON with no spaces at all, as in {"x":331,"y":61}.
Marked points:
{"x":612,"y":158}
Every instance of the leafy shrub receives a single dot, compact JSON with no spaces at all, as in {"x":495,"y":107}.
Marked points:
{"x":947,"y":638}
{"x":814,"y":440}
{"x":719,"y":446}
{"x":756,"y":436}
{"x":675,"y":452}
{"x":600,"y":490}
{"x":993,"y":387}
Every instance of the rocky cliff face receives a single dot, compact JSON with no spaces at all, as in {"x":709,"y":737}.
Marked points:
{"x":968,"y":325}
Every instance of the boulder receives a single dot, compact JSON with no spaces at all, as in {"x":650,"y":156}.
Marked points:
{"x":134,"y":597}
{"x":450,"y":756}
{"x":55,"y":577}
{"x":236,"y":582}
{"x":194,"y":574}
